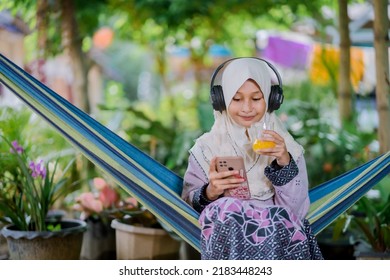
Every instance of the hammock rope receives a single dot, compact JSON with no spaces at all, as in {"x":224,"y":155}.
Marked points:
{"x":154,"y":185}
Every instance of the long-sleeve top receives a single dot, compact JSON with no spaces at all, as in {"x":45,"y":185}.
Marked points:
{"x":290,"y":184}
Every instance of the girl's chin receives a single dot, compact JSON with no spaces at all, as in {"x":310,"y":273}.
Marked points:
{"x":247,"y":124}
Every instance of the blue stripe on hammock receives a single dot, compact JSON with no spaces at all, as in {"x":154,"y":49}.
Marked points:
{"x":347,"y":177}
{"x":323,"y":189}
{"x":349,"y":200}
{"x":163,"y":174}
{"x":152,"y":203}
{"x":189,"y":231}
{"x":328,"y":217}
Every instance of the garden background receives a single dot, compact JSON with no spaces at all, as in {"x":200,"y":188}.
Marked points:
{"x":142,"y":68}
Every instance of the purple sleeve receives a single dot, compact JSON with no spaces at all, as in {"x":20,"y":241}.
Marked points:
{"x":295,"y":193}
{"x":194,"y":179}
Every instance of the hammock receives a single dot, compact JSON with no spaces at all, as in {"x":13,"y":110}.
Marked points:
{"x":154,"y":185}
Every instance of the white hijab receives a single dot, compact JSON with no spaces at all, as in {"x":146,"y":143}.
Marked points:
{"x":226,"y":138}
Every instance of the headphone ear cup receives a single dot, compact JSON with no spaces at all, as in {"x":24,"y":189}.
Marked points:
{"x":217,"y":99}
{"x":275,"y":98}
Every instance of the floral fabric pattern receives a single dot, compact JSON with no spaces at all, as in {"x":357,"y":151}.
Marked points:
{"x":239,"y":229}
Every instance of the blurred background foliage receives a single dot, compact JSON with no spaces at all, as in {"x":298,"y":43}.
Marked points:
{"x":165,"y":122}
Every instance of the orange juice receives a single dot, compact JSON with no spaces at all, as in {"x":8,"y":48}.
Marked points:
{"x":262,"y":144}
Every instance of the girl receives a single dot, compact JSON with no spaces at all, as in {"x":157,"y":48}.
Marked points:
{"x":271,"y":223}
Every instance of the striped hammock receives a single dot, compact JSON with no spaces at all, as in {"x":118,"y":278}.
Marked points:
{"x":155,"y":186}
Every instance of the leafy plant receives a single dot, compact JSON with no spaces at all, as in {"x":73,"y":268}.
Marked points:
{"x":330,"y":150}
{"x":141,"y":218}
{"x":374,"y":223}
{"x":28,"y":188}
{"x":368,"y":220}
{"x":370,"y":217}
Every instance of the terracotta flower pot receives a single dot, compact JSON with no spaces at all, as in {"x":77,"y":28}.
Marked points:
{"x":64,"y":244}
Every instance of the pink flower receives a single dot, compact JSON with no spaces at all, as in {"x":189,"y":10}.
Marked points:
{"x":108,"y":197}
{"x":131,"y":203}
{"x":103,"y":200}
{"x":89,"y":203}
{"x":99,"y":183}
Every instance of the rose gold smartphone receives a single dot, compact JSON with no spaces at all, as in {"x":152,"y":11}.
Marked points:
{"x":235,"y":163}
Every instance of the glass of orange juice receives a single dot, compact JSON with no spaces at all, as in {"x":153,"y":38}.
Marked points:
{"x":262,"y":141}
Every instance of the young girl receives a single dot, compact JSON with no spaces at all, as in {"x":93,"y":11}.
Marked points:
{"x":271,"y":223}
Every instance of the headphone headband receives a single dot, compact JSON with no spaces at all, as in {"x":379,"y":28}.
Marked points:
{"x":229,"y":60}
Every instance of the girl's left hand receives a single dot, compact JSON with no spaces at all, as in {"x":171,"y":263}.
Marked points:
{"x":279,"y":151}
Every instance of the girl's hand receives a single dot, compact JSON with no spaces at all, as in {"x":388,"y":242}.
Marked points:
{"x":220,"y":181}
{"x":279,"y":151}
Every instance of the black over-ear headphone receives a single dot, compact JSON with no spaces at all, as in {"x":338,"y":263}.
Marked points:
{"x":216,"y":93}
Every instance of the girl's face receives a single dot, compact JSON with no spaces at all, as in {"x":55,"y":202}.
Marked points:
{"x":248,"y":105}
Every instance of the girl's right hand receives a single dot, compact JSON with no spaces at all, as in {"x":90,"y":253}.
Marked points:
{"x":221,"y":181}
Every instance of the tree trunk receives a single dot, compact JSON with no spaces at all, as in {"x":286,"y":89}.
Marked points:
{"x":71,"y":42}
{"x":381,"y":43}
{"x":42,"y":26}
{"x":344,"y":83}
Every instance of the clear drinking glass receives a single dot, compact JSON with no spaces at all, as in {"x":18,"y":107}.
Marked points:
{"x":263,"y":141}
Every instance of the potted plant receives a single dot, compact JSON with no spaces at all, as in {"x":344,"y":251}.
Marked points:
{"x":368,"y":223}
{"x":28,"y":191}
{"x":371,"y":223}
{"x":98,"y":207}
{"x":116,"y":221}
{"x":140,"y":236}
{"x":335,"y":242}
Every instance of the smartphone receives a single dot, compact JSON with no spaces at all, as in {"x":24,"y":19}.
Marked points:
{"x":230,"y":163}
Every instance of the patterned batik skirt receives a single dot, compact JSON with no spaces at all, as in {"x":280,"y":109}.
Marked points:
{"x":234,"y":229}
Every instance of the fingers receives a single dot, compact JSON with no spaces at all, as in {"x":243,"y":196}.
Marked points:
{"x":230,"y":182}
{"x":279,"y":151}
{"x":220,"y":181}
{"x":226,"y":179}
{"x":274,"y":136}
{"x":219,"y":186}
{"x":213,"y":173}
{"x":213,"y":165}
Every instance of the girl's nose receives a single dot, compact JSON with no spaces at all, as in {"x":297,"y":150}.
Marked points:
{"x":246,"y":106}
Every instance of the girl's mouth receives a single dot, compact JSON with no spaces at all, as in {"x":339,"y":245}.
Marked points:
{"x":247,"y":118}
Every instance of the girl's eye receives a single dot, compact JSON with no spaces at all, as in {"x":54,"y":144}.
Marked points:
{"x":257,"y":98}
{"x":236,"y":99}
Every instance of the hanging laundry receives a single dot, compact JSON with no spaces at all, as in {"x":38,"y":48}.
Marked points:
{"x":287,"y":52}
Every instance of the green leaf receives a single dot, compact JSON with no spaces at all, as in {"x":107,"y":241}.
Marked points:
{"x":53,"y":228}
